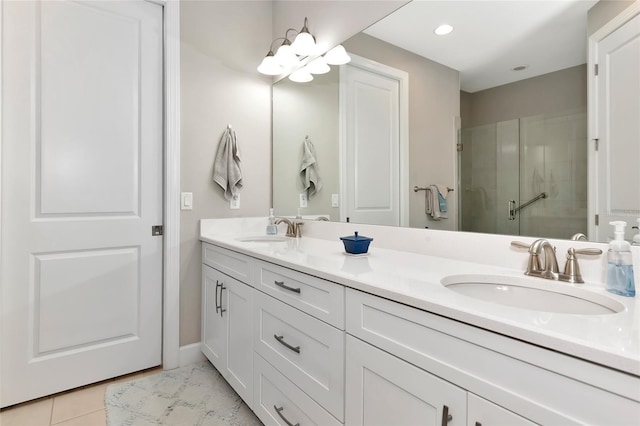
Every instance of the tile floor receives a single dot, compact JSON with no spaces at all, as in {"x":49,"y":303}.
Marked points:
{"x":78,"y":407}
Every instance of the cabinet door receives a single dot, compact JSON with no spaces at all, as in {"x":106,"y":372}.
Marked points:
{"x":236,"y":300}
{"x":384,"y":390}
{"x":214,"y":340}
{"x":481,"y":412}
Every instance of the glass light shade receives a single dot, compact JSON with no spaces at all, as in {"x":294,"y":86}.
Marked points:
{"x":318,"y":66}
{"x":285,"y":56}
{"x":270,"y":65}
{"x":301,"y":76}
{"x":304,"y":44}
{"x":337,"y":56}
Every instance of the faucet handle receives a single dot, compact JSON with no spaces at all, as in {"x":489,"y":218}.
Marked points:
{"x":297,"y":230}
{"x":588,"y":251}
{"x":520,"y":244}
{"x":571,"y":269}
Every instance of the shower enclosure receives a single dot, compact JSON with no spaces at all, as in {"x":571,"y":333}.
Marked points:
{"x":526,"y":176}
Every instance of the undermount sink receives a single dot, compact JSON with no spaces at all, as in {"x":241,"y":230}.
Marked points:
{"x":533,"y":294}
{"x":263,"y":239}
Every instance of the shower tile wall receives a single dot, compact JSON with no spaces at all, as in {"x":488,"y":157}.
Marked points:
{"x":554,"y":160}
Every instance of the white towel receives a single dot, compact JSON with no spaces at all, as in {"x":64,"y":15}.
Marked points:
{"x":434,"y":201}
{"x":226,"y":166}
{"x":309,"y":174}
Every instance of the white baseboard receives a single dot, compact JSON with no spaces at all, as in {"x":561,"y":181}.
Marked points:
{"x":190,"y":354}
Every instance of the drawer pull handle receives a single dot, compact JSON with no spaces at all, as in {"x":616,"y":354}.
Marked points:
{"x":281,"y":284}
{"x":279,"y":411}
{"x":446,"y":417}
{"x":280,"y":339}
{"x":219,"y":304}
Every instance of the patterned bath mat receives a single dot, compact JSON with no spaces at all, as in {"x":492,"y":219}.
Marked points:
{"x":192,"y":395}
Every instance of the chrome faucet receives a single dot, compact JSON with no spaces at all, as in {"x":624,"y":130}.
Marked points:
{"x":579,"y":236}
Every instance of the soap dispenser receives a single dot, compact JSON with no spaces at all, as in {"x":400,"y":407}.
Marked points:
{"x":636,"y":238}
{"x":620,"y":278}
{"x":272,"y":228}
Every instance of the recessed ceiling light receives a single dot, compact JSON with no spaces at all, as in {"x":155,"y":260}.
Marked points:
{"x":520,"y":68}
{"x":443,"y":29}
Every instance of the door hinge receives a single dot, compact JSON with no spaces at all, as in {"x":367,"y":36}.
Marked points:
{"x":595,"y":69}
{"x":157,"y":230}
{"x":596,"y":143}
{"x":459,"y":147}
{"x":597,"y":220}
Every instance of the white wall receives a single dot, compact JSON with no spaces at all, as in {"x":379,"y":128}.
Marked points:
{"x":222,"y":44}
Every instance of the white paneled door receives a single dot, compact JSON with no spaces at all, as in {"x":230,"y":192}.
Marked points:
{"x":618,"y":129}
{"x":82,"y":146}
{"x":372,"y":136}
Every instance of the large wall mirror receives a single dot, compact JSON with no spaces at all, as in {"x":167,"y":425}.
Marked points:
{"x":496,"y":111}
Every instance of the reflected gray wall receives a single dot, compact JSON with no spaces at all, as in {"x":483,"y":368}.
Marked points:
{"x":603,"y":12}
{"x":559,"y":91}
{"x":300,"y":110}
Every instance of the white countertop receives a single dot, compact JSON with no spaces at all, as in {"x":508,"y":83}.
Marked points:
{"x":414,"y":279}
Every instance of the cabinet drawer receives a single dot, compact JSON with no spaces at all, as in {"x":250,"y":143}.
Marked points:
{"x":317,"y":297}
{"x":234,"y":264}
{"x":277,"y":399}
{"x":306,"y":350}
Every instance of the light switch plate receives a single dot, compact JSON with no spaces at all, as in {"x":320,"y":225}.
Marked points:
{"x":303,"y":200}
{"x":234,"y":203}
{"x":186,"y":201}
{"x":335,"y":200}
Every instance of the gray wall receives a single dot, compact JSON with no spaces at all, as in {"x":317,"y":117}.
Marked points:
{"x":434,"y":102}
{"x":222,"y":44}
{"x":558,"y":91}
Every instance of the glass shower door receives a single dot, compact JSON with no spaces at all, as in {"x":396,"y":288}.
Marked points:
{"x":526,"y":176}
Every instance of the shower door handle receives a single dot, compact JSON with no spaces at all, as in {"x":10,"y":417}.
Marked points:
{"x":512,"y":209}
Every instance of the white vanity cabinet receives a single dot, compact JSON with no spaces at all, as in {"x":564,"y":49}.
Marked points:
{"x":299,"y":344}
{"x":227,"y":317}
{"x":518,"y":383}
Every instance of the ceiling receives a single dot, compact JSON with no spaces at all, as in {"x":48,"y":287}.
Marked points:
{"x":490,"y":38}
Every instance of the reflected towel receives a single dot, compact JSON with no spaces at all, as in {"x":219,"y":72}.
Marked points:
{"x":309,"y":174}
{"x":226,"y":166}
{"x":433,"y":202}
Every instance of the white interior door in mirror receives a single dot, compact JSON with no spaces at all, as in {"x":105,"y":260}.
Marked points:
{"x":82,"y":188}
{"x":618,"y":128}
{"x":371,"y":144}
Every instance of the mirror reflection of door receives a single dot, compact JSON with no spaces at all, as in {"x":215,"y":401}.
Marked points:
{"x":617,"y":114}
{"x":371,"y":143}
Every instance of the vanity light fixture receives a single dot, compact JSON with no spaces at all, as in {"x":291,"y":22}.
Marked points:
{"x":289,"y":55}
{"x":318,"y":66}
{"x":305,"y":43}
{"x":443,"y":29}
{"x":301,"y":75}
{"x":337,"y":56}
{"x":269,"y":64}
